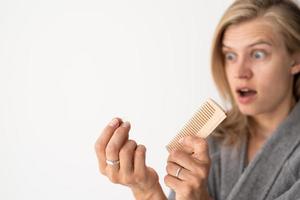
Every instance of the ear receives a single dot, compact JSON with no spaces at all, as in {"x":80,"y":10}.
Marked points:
{"x":295,"y":68}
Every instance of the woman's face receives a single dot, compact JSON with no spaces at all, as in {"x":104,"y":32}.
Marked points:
{"x":258,"y":67}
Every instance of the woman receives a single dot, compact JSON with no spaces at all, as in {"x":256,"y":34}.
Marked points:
{"x":255,"y":152}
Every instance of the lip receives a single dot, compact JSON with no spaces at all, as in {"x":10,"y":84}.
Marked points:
{"x":246,"y":99}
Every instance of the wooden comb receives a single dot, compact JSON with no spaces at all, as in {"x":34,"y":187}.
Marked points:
{"x":202,"y":123}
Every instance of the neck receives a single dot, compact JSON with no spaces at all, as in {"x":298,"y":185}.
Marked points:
{"x":265,"y":124}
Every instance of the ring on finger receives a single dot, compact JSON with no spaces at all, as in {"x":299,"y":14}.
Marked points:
{"x":178,"y":172}
{"x":113,"y":162}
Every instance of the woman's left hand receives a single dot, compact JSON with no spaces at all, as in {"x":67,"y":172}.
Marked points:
{"x":188,"y":169}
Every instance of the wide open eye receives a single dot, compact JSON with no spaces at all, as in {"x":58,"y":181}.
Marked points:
{"x":259,"y":55}
{"x":230,"y":56}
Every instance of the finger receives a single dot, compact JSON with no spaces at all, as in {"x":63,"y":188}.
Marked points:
{"x":116,"y":142}
{"x":178,"y":171}
{"x":112,"y":150}
{"x":127,"y":157}
{"x":186,"y":160}
{"x":196,"y":145}
{"x":173,"y":182}
{"x":102,"y":141}
{"x":184,"y":188}
{"x":140,"y":161}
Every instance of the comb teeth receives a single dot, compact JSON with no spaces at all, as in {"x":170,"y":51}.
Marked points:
{"x":202,"y":123}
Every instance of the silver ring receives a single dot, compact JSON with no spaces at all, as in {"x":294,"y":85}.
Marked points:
{"x":178,"y":172}
{"x":113,"y":162}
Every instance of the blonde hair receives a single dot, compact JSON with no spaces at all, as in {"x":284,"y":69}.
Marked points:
{"x":285,"y":16}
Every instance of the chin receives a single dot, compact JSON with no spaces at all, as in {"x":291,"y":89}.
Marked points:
{"x":249,"y":110}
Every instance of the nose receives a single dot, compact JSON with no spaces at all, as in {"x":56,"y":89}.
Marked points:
{"x":243,"y":70}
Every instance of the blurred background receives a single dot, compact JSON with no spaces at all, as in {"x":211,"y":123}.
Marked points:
{"x":67,"y":67}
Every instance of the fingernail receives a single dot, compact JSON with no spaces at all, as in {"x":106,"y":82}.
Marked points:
{"x":125,"y":124}
{"x":114,"y":122}
{"x":142,"y":147}
{"x":145,"y":149}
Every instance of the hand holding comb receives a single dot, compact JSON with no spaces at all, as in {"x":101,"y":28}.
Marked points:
{"x":202,"y":123}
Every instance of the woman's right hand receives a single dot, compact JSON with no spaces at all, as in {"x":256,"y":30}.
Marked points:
{"x":123,"y":161}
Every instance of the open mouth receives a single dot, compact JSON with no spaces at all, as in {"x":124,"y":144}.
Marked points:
{"x":246,"y":92}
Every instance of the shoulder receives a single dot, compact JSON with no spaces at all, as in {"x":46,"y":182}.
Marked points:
{"x":293,"y":162}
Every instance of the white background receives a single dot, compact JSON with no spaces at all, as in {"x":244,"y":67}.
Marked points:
{"x":67,"y":67}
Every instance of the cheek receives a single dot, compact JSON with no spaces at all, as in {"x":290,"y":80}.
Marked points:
{"x":229,"y":76}
{"x":274,"y":82}
{"x":231,"y":82}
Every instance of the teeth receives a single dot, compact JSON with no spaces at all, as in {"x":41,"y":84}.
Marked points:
{"x":244,"y":90}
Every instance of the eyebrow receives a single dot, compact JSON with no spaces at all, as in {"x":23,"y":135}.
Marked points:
{"x":254,"y":44}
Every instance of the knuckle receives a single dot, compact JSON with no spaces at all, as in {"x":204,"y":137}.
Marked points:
{"x":125,"y":127}
{"x":201,"y":143}
{"x":203,"y":173}
{"x":97,"y":146}
{"x":196,"y":182}
{"x":122,"y":132}
{"x":102,"y":171}
{"x":140,"y":178}
{"x":186,"y":190}
{"x":169,"y":157}
{"x":113,"y":178}
{"x":112,"y":148}
{"x":174,"y":155}
{"x":107,"y":129}
{"x":124,"y":152}
{"x":167,"y":180}
{"x":203,"y":160}
{"x":191,"y":140}
{"x":168,"y":168}
{"x":127,"y":180}
{"x":128,"y":148}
